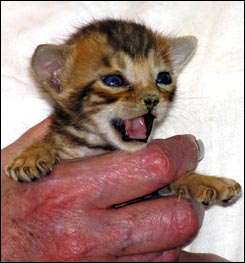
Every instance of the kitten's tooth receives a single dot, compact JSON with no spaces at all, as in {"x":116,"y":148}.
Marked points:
{"x":201,"y":151}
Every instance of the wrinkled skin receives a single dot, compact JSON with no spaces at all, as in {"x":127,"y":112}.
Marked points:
{"x":68,"y":216}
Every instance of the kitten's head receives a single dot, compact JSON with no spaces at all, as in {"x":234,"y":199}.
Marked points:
{"x":113,"y":78}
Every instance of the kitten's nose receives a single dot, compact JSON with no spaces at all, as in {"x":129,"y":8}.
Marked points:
{"x":150,"y":100}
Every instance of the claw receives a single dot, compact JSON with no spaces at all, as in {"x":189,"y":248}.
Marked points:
{"x":181,"y":194}
{"x":56,"y":159}
{"x":43,"y":165}
{"x":24,"y":178}
{"x":209,"y":196}
{"x":11,"y":174}
{"x":8,"y":170}
{"x":17,"y":171}
{"x":26,"y":170}
{"x":232,"y":192}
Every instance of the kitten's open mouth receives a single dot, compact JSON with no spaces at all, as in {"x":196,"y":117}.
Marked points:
{"x":137,"y":129}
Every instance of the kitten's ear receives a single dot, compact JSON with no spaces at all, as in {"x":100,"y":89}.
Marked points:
{"x":182,"y":49}
{"x":48,"y":64}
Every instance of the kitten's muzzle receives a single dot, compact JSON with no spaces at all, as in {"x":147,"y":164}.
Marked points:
{"x":135,"y":130}
{"x":149,"y":100}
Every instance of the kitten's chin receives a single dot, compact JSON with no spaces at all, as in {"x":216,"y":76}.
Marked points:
{"x":132,"y":146}
{"x":129,"y":146}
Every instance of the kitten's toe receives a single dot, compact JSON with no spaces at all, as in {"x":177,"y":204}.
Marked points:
{"x":231,"y":193}
{"x":44,"y":167}
{"x":10,"y":172}
{"x":209,"y":196}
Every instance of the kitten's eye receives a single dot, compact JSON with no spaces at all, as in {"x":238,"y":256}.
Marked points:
{"x":164,"y":78}
{"x":113,"y":80}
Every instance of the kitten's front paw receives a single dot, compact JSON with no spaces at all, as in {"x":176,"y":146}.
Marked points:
{"x":205,"y":189}
{"x":33,"y":163}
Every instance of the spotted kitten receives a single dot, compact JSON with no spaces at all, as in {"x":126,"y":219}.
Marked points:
{"x":112,"y":82}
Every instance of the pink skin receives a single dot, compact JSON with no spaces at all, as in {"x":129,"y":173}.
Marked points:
{"x":68,"y":216}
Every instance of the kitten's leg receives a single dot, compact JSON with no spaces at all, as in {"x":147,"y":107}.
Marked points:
{"x":204,"y":189}
{"x":34,"y":162}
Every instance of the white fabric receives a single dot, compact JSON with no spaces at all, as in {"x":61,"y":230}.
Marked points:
{"x":210,"y":101}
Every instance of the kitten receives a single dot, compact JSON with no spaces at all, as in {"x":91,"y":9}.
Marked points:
{"x":112,"y":82}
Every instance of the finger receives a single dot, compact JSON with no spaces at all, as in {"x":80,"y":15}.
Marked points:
{"x":199,"y":257}
{"x":154,"y":225}
{"x":163,"y":256}
{"x":118,"y":176}
{"x":37,"y":132}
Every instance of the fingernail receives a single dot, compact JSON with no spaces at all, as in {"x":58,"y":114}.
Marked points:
{"x":201,"y":151}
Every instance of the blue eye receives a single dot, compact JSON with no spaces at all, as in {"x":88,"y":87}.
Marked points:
{"x":164,"y":78}
{"x":113,"y":80}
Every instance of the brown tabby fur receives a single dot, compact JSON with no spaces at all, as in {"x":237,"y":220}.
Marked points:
{"x":84,"y":106}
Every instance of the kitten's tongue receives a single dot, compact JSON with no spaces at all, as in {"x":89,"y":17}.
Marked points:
{"x":136,"y":128}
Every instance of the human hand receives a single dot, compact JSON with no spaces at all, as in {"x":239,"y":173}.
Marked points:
{"x":68,"y":216}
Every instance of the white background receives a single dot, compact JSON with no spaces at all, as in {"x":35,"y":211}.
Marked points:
{"x":210,"y":99}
